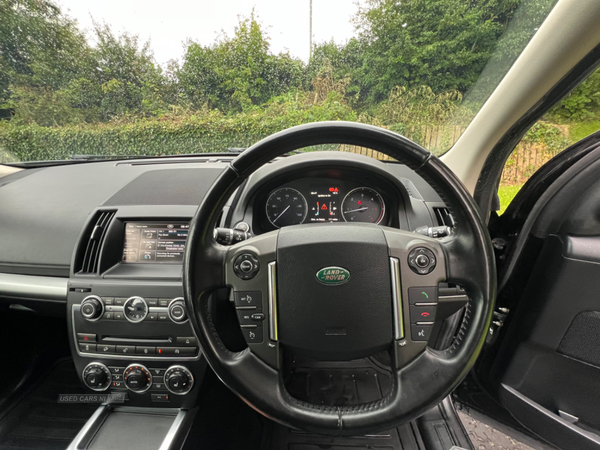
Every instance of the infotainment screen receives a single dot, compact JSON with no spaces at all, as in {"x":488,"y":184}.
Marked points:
{"x":153,"y":243}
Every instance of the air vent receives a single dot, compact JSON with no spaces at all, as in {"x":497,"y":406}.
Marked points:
{"x":89,"y":264}
{"x":443,"y":217}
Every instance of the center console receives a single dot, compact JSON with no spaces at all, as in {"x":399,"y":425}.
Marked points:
{"x":130,"y":331}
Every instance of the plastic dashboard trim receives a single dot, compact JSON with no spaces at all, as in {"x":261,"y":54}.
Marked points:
{"x":33,"y":286}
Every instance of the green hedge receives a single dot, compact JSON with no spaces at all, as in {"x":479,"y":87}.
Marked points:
{"x":211,"y":132}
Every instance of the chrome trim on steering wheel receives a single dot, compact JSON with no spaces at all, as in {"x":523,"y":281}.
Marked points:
{"x":397,"y":299}
{"x":272,"y":274}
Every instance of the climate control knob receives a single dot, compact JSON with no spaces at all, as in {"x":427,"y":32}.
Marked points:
{"x":96,"y":376}
{"x":92,"y":308}
{"x":137,"y":378}
{"x":177,"y":311}
{"x":178,"y":380}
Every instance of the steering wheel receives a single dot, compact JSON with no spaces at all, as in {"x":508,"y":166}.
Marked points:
{"x":340,"y":291}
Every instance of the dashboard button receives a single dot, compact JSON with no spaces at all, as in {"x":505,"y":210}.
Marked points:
{"x":253,"y":335}
{"x":118,"y":385}
{"x":159,"y":398}
{"x":145,"y":350}
{"x":164,"y":302}
{"x":120,"y":301}
{"x":423,"y":294}
{"x":87,"y":348}
{"x":157,"y":386}
{"x":152,"y":316}
{"x":118,"y":315}
{"x":163,"y":317}
{"x":84,"y":337}
{"x":108,"y":300}
{"x":125,"y":349}
{"x":157,"y":372}
{"x":251,"y":298}
{"x":186,"y":340}
{"x":152,"y":302}
{"x":114,"y":369}
{"x":101,"y":348}
{"x":108,"y":316}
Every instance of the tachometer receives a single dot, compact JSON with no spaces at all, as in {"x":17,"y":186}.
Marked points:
{"x":363,"y":204}
{"x":286,"y":206}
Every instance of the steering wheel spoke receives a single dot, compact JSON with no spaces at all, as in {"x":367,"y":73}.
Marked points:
{"x":417,"y":265}
{"x":251,"y":273}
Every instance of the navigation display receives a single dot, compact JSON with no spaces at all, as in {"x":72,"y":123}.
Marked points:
{"x":155,"y":242}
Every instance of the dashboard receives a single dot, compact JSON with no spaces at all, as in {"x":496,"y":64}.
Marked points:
{"x":102,"y":245}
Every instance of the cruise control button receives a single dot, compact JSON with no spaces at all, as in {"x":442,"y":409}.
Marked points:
{"x":245,"y":316}
{"x":186,"y":340}
{"x":251,"y":298}
{"x":424,"y":294}
{"x":420,"y":332}
{"x":422,"y":313}
{"x":145,"y":350}
{"x":253,"y":335}
{"x":84,"y":337}
{"x":258,"y":317}
{"x":87,"y":348}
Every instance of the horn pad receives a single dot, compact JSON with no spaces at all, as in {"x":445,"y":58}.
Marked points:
{"x":323,"y":314}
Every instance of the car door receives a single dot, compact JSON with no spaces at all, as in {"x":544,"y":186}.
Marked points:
{"x":542,"y":357}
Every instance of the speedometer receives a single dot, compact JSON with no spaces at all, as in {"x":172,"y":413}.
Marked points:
{"x":363,"y":204}
{"x":286,"y":206}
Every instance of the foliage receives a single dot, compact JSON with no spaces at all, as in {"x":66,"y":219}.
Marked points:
{"x":237,"y":72}
{"x":507,"y":194}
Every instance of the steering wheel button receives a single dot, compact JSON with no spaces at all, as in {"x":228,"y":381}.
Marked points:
{"x":422,"y":261}
{"x":257,"y":317}
{"x":423,"y":294}
{"x":422,"y":313}
{"x":246,"y":266}
{"x":253,"y":335}
{"x":248,"y":298}
{"x":420,"y":332}
{"x":245,"y":316}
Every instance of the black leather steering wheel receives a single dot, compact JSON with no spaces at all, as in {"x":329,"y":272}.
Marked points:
{"x":356,"y":307}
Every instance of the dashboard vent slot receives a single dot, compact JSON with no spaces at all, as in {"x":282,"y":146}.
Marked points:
{"x":443,"y":217}
{"x":94,"y":242}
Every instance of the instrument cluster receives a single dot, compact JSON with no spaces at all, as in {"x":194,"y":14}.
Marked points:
{"x":318,"y":200}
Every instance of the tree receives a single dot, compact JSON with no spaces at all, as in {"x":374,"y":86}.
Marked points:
{"x":442,"y":44}
{"x":237,"y":72}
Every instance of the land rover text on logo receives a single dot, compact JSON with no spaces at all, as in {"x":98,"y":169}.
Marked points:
{"x":333,"y":275}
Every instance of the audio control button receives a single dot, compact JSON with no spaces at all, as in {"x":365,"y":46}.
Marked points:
{"x":92,"y":308}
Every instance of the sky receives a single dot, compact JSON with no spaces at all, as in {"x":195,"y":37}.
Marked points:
{"x":167,"y":24}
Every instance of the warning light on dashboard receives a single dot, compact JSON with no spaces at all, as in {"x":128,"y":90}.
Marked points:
{"x":333,"y":189}
{"x":324,"y":206}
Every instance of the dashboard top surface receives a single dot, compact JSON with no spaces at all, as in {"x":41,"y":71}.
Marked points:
{"x":44,"y":210}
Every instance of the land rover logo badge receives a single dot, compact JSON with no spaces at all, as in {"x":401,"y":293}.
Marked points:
{"x":333,"y":275}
